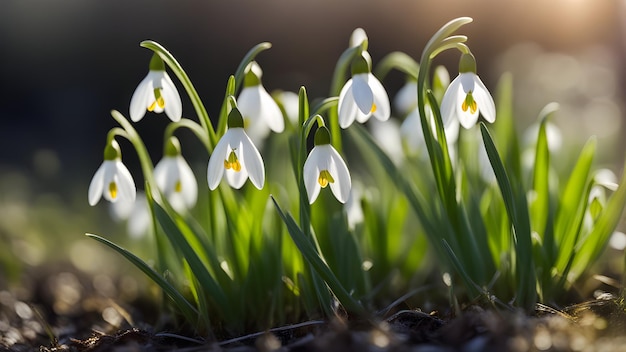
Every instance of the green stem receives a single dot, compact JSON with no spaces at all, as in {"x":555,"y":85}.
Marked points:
{"x":169,"y":59}
{"x":250,"y":55}
{"x":191,"y":125}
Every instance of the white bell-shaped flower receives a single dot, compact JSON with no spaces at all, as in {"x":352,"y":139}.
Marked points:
{"x":467,"y":96}
{"x":235,"y":157}
{"x":112,"y":180}
{"x":325,"y":167}
{"x":175,"y":178}
{"x":156,"y":93}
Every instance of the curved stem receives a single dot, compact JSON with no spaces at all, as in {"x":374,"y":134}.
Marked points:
{"x":250,"y":55}
{"x":169,"y":59}
{"x":191,"y":125}
{"x":132,"y":135}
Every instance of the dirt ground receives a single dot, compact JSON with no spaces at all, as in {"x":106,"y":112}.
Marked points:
{"x":62,"y":310}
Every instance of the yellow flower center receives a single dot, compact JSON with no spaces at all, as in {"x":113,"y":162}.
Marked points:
{"x":325,"y":178}
{"x":232,"y":162}
{"x":113,"y":190}
{"x":178,"y":187}
{"x":158,"y":100}
{"x":373,"y":108}
{"x":469,"y":103}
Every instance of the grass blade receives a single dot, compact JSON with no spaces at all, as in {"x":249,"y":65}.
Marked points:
{"x":189,"y":311}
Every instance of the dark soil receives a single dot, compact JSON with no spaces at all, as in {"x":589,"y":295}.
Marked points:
{"x":62,"y":310}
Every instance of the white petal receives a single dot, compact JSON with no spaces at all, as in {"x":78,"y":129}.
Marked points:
{"x":484,"y":101}
{"x":140,"y":97}
{"x":270,"y":112}
{"x":347,"y":108}
{"x":215,"y":170}
{"x":236,"y":179}
{"x":406,"y":98}
{"x":249,"y":102}
{"x":362,"y":92}
{"x":96,"y":186}
{"x":339,"y":171}
{"x":411,"y":131}
{"x":357,"y":37}
{"x":189,"y":185}
{"x":361,"y":117}
{"x":310,"y":172}
{"x":140,"y":219}
{"x":166,"y":174}
{"x":466,"y":118}
{"x":173,"y":105}
{"x":253,"y":161}
{"x":448,"y":103}
{"x":126,"y":185}
{"x":381,"y":99}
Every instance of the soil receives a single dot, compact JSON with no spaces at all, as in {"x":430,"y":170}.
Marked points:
{"x":60,"y":309}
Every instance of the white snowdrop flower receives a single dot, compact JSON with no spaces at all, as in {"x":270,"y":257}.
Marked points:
{"x":112,"y":180}
{"x":257,"y":106}
{"x":175,"y":178}
{"x":467,"y":96}
{"x":360,"y":98}
{"x":325,"y":167}
{"x":413,"y":136}
{"x":235,"y":157}
{"x":405,"y":101}
{"x":157,"y":93}
{"x":387,"y":135}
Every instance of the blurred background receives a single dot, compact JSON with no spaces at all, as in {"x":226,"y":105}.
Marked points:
{"x":65,"y":64}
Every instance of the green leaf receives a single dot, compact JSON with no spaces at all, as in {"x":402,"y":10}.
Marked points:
{"x":321,"y":268}
{"x":517,"y":209}
{"x":572,"y":205}
{"x":178,"y":240}
{"x":173,"y":64}
{"x":593,"y":245}
{"x":188,"y":310}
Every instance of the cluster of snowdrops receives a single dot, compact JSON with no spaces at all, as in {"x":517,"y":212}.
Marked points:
{"x":428,"y":190}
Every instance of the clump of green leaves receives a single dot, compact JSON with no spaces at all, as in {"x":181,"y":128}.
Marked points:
{"x":251,"y":258}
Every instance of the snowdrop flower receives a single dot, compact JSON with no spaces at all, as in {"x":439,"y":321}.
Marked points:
{"x":406,"y":98}
{"x":175,"y":178}
{"x":362,"y":96}
{"x":353,"y":208}
{"x":157,"y":93}
{"x":388,"y":136}
{"x":257,"y":106}
{"x":136,"y":213}
{"x":325,"y":167}
{"x":467,"y":96}
{"x":290,"y":102}
{"x":112,"y":180}
{"x":235,"y":157}
{"x":413,"y":137}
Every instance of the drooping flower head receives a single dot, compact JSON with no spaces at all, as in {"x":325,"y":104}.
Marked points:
{"x":258,"y":108}
{"x":362,"y":96}
{"x":112,"y":180}
{"x":156,"y":93}
{"x":235,"y":157}
{"x":325,"y":167}
{"x":175,"y":178}
{"x":467,"y":96}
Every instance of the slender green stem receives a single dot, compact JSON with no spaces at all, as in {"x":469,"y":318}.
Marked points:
{"x":169,"y":59}
{"x":191,"y":125}
{"x":250,"y":55}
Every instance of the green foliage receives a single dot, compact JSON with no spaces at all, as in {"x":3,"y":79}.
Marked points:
{"x":497,"y":228}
